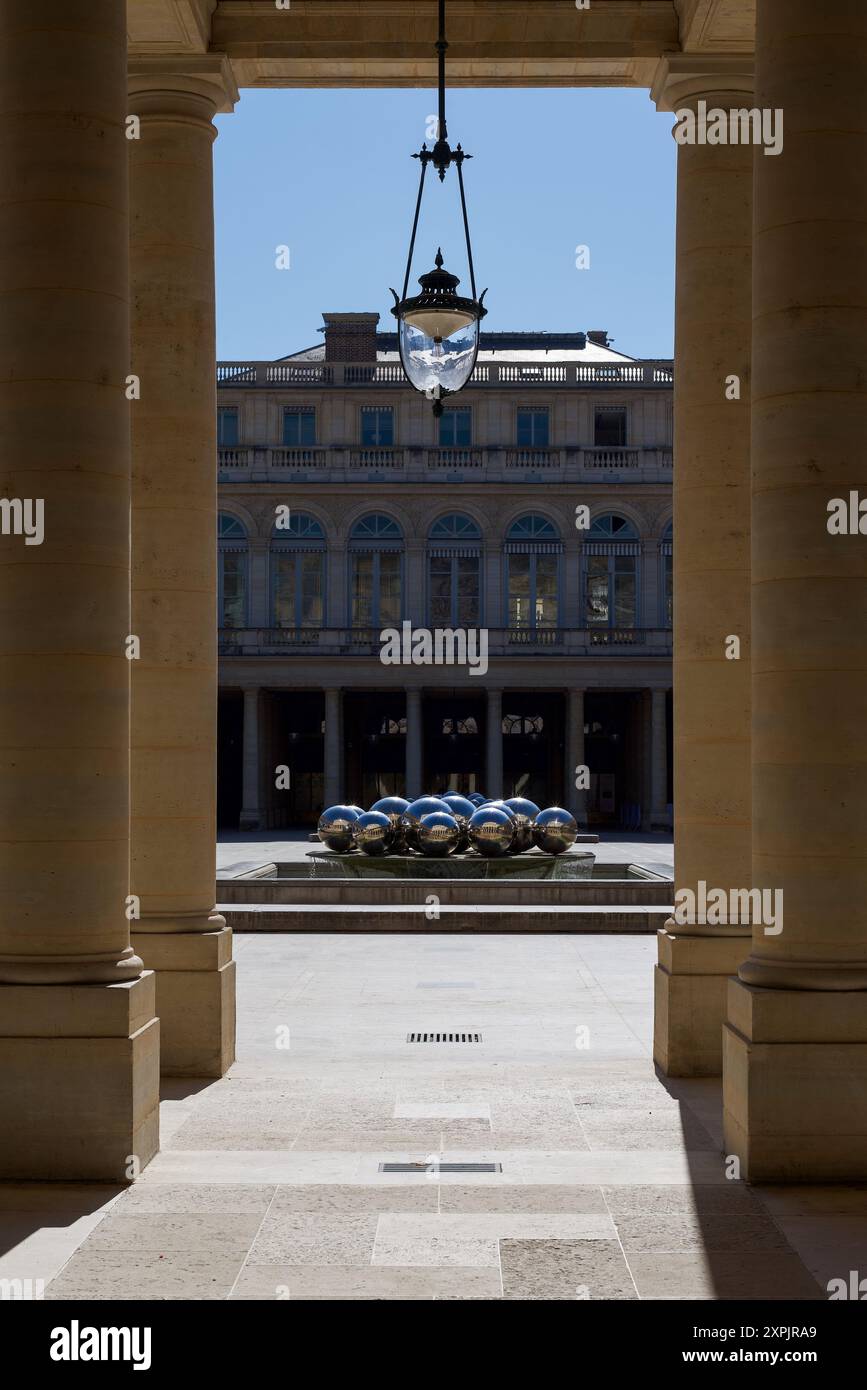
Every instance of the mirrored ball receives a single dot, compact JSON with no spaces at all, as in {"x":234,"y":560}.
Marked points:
{"x":555,"y":830}
{"x":438,"y":834}
{"x":491,"y":831}
{"x":336,"y":828}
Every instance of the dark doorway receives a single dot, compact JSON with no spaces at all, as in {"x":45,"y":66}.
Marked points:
{"x":295,"y":739}
{"x":612,"y":751}
{"x":374,"y":731}
{"x":454,"y":742}
{"x":533,"y":746}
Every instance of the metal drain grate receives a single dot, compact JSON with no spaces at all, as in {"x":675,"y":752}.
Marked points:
{"x":440,"y":1167}
{"x":444,"y":1037}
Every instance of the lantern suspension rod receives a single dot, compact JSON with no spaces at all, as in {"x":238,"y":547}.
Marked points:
{"x":460,"y":164}
{"x":442,"y":46}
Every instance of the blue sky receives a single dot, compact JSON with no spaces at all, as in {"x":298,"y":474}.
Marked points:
{"x":329,"y":174}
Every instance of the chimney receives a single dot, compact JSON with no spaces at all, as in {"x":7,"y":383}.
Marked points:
{"x":350,"y":337}
{"x":598,"y":335}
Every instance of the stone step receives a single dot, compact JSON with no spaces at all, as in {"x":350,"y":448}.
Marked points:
{"x":370,"y":917}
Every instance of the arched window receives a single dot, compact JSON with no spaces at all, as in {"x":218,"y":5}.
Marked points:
{"x":666,"y":585}
{"x":298,"y":572}
{"x":533,"y":551}
{"x":376,"y":555}
{"x":232,"y":571}
{"x":454,"y":572}
{"x":610,"y":555}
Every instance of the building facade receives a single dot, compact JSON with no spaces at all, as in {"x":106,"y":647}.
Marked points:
{"x":535,"y":515}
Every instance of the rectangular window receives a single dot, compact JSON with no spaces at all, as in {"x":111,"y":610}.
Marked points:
{"x":609,"y":428}
{"x":533,"y":427}
{"x":456,"y":429}
{"x":519,"y":591}
{"x":597,"y":590}
{"x":376,"y":598}
{"x":298,"y":588}
{"x":299,"y":426}
{"x":454,"y":591}
{"x":377,"y":427}
{"x":625,"y":597}
{"x":233,"y":565}
{"x":227,"y":425}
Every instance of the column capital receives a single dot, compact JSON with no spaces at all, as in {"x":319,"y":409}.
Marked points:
{"x":684,"y":79}
{"x":197,"y":84}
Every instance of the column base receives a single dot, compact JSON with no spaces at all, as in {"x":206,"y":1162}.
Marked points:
{"x":195,"y":998}
{"x":79,"y":1081}
{"x":795,"y":1084}
{"x":690,"y":1000}
{"x":250,"y":820}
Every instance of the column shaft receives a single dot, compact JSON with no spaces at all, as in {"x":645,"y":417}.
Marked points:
{"x":711,"y":564}
{"x":413,"y":744}
{"x":659,"y":761}
{"x":795,"y":1074}
{"x":79,"y":1065}
{"x":174,"y":506}
{"x":494,"y":759}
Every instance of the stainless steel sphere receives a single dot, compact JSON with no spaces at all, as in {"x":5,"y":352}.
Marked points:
{"x":336,"y":828}
{"x":374,"y":832}
{"x":359,"y":810}
{"x":477,"y":798}
{"x":438,"y":834}
{"x":525,"y":813}
{"x":459,"y":805}
{"x":422,"y":806}
{"x":555,"y":830}
{"x":491,"y":831}
{"x":391,"y":806}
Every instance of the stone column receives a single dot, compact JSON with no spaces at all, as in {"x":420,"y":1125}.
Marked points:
{"x":251,"y":815}
{"x":711,"y":559}
{"x":79,"y":1040}
{"x":334,"y":791}
{"x":795,"y":1066}
{"x":174,"y":503}
{"x":575,"y":800}
{"x":414,"y":747}
{"x":658,"y":760}
{"x":494,"y":748}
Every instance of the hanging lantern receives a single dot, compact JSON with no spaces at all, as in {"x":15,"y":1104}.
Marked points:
{"x":438,"y":330}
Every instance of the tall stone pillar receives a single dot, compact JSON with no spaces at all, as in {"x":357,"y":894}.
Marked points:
{"x":79,"y":1040}
{"x":795,"y":1067}
{"x":251,"y":814}
{"x":658,"y":760}
{"x":174,"y":505}
{"x":494,"y":745}
{"x":711,"y":563}
{"x":414,"y":752}
{"x":574,"y":798}
{"x":335,"y":793}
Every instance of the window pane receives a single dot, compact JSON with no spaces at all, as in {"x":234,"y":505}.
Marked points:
{"x":311,"y":588}
{"x":233,"y":564}
{"x":468,"y":614}
{"x":519,"y":590}
{"x":299,"y":427}
{"x":362,"y":590}
{"x":456,"y":428}
{"x":440,"y":590}
{"x":377,"y":427}
{"x":610,"y":428}
{"x":546,"y":591}
{"x":597,"y":589}
{"x":284,"y":588}
{"x":624,"y":591}
{"x":389,"y":588}
{"x":227,"y":425}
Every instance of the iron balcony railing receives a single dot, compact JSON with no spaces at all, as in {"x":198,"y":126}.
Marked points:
{"x":503,"y":641}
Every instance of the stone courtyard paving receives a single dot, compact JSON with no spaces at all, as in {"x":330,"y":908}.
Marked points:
{"x":612,"y":1183}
